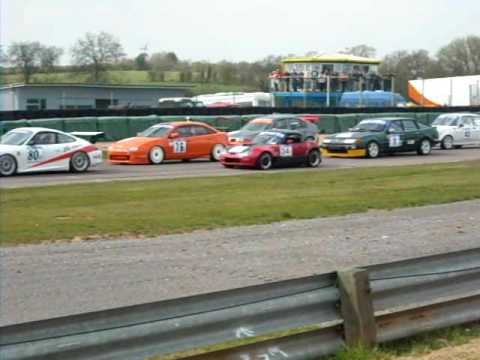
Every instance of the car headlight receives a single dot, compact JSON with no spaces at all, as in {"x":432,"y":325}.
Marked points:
{"x":327,"y":141}
{"x":350,"y":141}
{"x":133,"y":149}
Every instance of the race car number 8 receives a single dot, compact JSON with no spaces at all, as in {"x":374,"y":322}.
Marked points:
{"x":180,"y":146}
{"x":285,"y":151}
{"x":394,"y":141}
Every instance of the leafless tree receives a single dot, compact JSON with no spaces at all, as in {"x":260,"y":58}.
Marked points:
{"x":49,"y":57}
{"x":461,"y":56}
{"x":96,"y":51}
{"x":361,"y":50}
{"x":26,"y":57}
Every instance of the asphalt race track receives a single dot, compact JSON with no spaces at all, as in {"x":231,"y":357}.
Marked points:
{"x":171,"y":170}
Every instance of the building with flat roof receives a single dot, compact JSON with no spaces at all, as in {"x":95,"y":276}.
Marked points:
{"x":83,"y":96}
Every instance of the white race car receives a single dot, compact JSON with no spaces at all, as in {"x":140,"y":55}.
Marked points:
{"x":456,"y":130}
{"x":30,"y":149}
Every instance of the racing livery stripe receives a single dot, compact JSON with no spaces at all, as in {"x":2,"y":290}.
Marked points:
{"x":87,"y":149}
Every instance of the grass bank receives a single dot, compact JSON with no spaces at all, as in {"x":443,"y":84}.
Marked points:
{"x":417,"y":347}
{"x":31,"y":215}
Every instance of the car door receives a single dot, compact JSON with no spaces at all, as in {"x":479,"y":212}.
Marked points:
{"x":476,"y":129}
{"x":201,"y":141}
{"x":180,"y":147}
{"x":467,"y":130}
{"x":412,"y":135}
{"x":395,"y":139}
{"x":43,"y":152}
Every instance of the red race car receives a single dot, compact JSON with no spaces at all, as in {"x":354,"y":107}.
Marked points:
{"x":273,"y":148}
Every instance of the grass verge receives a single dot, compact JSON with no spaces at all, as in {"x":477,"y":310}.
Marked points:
{"x":155,"y":207}
{"x":415,"y":346}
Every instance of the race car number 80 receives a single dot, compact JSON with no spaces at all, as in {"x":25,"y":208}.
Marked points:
{"x":33,"y":155}
{"x":180,"y":146}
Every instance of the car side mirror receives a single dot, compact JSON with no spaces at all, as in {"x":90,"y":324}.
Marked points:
{"x":460,"y":125}
{"x":391,"y":131}
{"x":174,"y":135}
{"x":31,"y":142}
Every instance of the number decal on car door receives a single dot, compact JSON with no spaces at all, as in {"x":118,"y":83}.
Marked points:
{"x":394,"y":140}
{"x":179,"y":146}
{"x":33,"y":155}
{"x":286,"y":151}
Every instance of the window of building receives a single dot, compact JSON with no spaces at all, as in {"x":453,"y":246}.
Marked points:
{"x":36,"y":104}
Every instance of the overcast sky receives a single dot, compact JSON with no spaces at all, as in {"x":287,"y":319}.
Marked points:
{"x":243,"y":29}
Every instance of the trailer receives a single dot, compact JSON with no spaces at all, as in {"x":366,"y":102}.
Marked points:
{"x":449,"y":91}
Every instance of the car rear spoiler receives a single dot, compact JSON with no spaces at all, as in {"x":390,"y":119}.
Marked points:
{"x":91,"y":136}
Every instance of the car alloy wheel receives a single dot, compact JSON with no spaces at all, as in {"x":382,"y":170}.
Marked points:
{"x":156,"y":155}
{"x":8,"y":165}
{"x":447,"y":143}
{"x":79,"y":162}
{"x":425,"y":147}
{"x":373,"y":150}
{"x":314,"y":158}
{"x":265,"y":162}
{"x":217,"y":151}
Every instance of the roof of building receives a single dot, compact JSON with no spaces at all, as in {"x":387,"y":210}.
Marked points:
{"x":101,"y":86}
{"x":333,"y":58}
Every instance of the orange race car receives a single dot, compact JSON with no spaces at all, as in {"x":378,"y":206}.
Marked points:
{"x":170,"y":141}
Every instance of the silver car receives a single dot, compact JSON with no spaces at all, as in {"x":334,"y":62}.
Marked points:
{"x":246,"y":134}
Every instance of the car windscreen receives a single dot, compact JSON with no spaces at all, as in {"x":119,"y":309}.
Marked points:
{"x":370,"y":125}
{"x":15,"y":137}
{"x":258,"y":125}
{"x":156,"y":131}
{"x":446,"y":120}
{"x":267,"y":138}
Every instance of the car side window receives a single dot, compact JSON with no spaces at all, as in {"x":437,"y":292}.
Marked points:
{"x":296,"y":124}
{"x":409,"y":125}
{"x":281,"y":124}
{"x":45,"y":138}
{"x":184,"y":131}
{"x":468,"y":121}
{"x":396,"y":126}
{"x":198,"y":130}
{"x":64,"y":139}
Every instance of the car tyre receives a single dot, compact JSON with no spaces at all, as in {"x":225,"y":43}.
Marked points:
{"x":425,"y":147}
{"x":8,"y":165}
{"x":373,"y":150}
{"x":314,"y":158}
{"x":217,"y":151}
{"x":79,"y":162}
{"x":265,"y":161}
{"x":447,"y":143}
{"x":156,"y":155}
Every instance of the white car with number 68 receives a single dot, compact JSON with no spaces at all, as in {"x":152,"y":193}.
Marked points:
{"x":456,"y":130}
{"x":25,"y":150}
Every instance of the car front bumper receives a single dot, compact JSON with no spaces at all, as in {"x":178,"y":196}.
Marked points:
{"x":96,"y":157}
{"x":240,"y":161}
{"x":345,"y":151}
{"x":127,"y":157}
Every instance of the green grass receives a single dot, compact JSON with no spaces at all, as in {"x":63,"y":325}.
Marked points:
{"x":128,"y":77}
{"x":414,"y":346}
{"x":156,"y":207}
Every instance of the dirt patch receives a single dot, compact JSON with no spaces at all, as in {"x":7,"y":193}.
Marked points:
{"x":469,"y":351}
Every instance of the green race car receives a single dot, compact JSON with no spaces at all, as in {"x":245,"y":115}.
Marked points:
{"x":372,"y":137}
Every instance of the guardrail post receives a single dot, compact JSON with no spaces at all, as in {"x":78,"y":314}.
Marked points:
{"x":357,"y":308}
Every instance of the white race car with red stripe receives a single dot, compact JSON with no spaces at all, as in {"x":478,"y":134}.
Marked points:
{"x":31,"y":149}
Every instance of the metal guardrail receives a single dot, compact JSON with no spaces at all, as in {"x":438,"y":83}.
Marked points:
{"x":68,"y":113}
{"x":299,"y":319}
